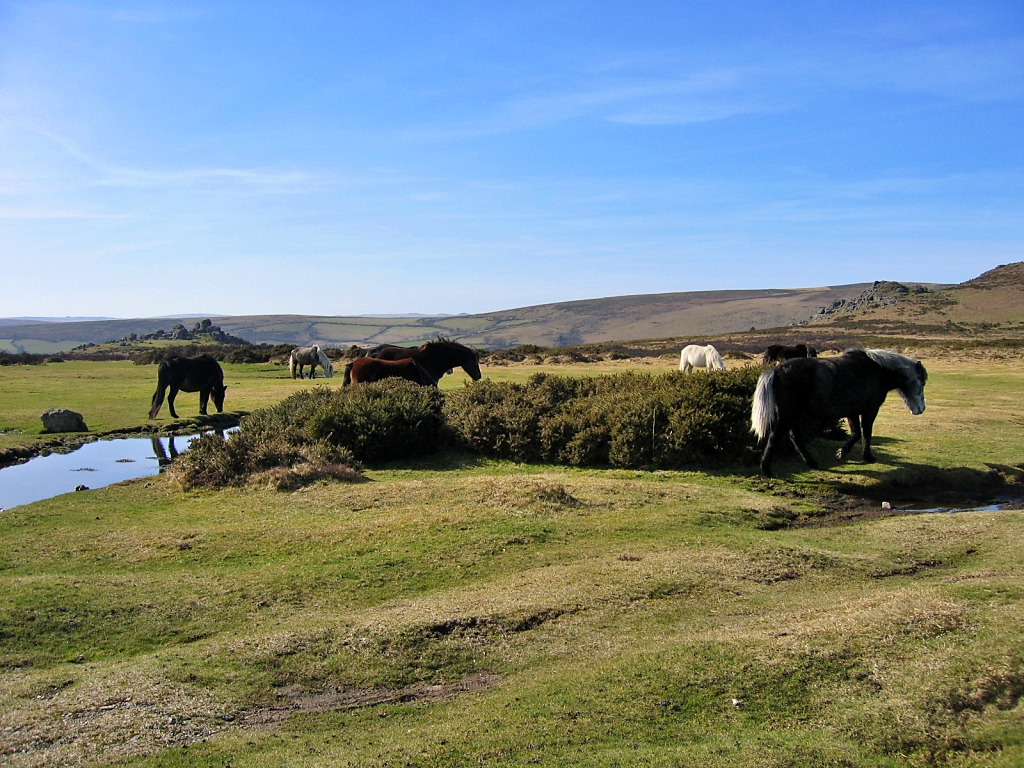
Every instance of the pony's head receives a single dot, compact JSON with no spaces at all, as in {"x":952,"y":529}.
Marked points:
{"x":472,"y":365}
{"x":457,"y":354}
{"x":218,"y":396}
{"x":325,"y":363}
{"x":912,"y":376}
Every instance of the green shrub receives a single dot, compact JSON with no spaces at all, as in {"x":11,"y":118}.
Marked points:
{"x":214,"y":462}
{"x":315,"y":433}
{"x":624,"y":420}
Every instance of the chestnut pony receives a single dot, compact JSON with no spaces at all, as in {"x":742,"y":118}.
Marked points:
{"x":425,"y":364}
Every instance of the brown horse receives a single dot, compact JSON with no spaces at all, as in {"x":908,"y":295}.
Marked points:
{"x":436,"y":358}
{"x":778,"y":352}
{"x":365,"y":369}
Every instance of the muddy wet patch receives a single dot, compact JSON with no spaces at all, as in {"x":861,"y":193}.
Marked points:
{"x":300,"y":700}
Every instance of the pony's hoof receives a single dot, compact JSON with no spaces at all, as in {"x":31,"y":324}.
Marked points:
{"x":869,"y":458}
{"x":766,"y":471}
{"x":840,"y":454}
{"x":812,"y":464}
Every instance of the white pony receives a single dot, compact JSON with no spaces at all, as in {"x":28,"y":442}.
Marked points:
{"x":695,"y":356}
{"x":311,"y":356}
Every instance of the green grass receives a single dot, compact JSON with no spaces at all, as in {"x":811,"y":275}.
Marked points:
{"x":459,"y":611}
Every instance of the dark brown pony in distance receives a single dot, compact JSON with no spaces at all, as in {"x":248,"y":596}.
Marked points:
{"x":778,"y":352}
{"x":432,"y":361}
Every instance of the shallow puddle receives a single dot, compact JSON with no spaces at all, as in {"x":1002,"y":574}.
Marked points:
{"x":923,"y":508}
{"x":94,"y":465}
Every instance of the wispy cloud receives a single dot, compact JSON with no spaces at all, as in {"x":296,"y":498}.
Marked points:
{"x":105,"y":173}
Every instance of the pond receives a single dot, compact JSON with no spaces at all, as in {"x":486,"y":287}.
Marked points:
{"x":93,"y":465}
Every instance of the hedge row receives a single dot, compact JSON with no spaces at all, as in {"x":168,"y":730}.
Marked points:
{"x":623,"y":420}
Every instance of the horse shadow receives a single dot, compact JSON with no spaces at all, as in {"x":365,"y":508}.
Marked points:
{"x":893,"y":479}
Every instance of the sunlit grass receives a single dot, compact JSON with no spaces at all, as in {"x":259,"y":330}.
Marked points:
{"x":461,"y":611}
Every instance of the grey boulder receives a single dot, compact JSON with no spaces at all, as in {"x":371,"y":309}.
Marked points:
{"x":63,"y":420}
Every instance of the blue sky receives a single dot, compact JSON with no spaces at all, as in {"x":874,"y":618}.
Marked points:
{"x":345,"y":158}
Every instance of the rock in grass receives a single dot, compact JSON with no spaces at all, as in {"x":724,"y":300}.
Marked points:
{"x":63,"y":420}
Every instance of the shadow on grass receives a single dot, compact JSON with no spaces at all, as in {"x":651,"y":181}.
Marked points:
{"x":440,"y":461}
{"x":889,"y":478}
{"x":906,"y":481}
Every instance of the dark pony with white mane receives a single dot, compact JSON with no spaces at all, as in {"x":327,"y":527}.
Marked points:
{"x":851,"y":386}
{"x":189,"y":374}
{"x":425,"y":364}
{"x":781,"y":352}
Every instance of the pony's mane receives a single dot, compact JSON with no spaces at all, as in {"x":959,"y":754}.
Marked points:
{"x":444,"y":341}
{"x":893,"y":361}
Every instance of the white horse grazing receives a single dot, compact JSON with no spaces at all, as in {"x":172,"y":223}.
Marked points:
{"x":311,"y":356}
{"x":695,"y":356}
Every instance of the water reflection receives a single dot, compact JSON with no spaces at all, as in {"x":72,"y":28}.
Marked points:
{"x":164,"y":457}
{"x":91,"y":466}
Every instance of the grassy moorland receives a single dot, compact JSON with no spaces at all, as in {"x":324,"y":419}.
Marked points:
{"x":460,"y":611}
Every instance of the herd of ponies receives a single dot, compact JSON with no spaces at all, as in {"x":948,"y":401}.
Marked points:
{"x":851,"y":386}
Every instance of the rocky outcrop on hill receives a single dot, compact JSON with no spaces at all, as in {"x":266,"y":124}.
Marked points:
{"x":883,"y":293}
{"x":201,"y":331}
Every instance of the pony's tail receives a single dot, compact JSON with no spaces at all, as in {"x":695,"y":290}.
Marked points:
{"x":762,"y":412}
{"x":291,"y":364}
{"x":161,"y":385}
{"x":348,"y":375}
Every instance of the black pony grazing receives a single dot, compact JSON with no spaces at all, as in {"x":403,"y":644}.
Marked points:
{"x":189,"y":374}
{"x":853,"y":385}
{"x":433,"y":360}
{"x":781,"y":352}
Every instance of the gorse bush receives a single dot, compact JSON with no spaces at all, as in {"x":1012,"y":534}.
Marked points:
{"x":214,"y":462}
{"x":386,"y":420}
{"x":318,"y":433}
{"x":624,"y":420}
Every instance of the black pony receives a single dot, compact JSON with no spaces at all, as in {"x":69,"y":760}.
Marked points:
{"x":853,"y":385}
{"x":432,"y":361}
{"x":189,"y":374}
{"x":781,"y":352}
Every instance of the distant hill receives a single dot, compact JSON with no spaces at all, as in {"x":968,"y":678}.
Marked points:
{"x":690,"y":314}
{"x":990,"y":304}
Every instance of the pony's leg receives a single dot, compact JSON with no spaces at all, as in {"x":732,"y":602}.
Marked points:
{"x":854,"y":422}
{"x":204,"y":399}
{"x":170,"y":400}
{"x":869,"y":421}
{"x":798,"y":442}
{"x":779,"y":428}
